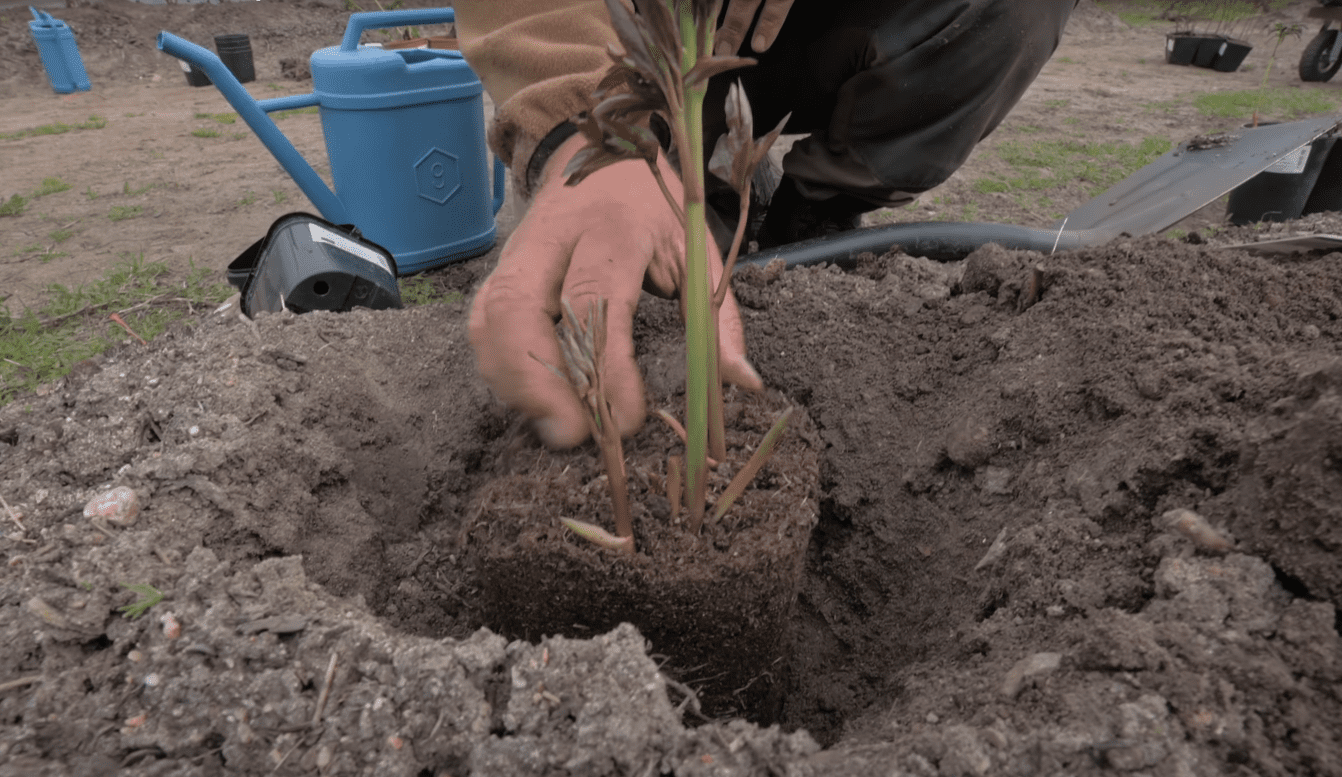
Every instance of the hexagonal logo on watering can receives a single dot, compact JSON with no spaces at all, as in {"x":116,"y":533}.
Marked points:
{"x":438,"y":175}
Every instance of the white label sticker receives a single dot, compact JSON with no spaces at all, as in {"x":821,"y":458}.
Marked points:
{"x":321,"y":234}
{"x":1291,"y":164}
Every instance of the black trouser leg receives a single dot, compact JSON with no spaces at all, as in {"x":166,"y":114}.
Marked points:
{"x":894,"y":95}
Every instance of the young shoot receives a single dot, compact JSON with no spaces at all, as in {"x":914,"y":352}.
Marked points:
{"x":662,"y":65}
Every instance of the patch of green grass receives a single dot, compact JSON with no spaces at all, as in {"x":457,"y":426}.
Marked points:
{"x":123,"y":212}
{"x":56,"y":128}
{"x":129,"y":192}
{"x":42,"y":253}
{"x":1152,"y":14}
{"x":1145,"y":14}
{"x":206,"y":132}
{"x":148,"y":597}
{"x":420,"y":290}
{"x":1066,"y":60}
{"x":279,"y":196}
{"x":295,"y":112}
{"x":248,"y":198}
{"x":1059,"y":103}
{"x":1042,"y":165}
{"x":14,"y":206}
{"x":1279,"y":103}
{"x":60,"y":235}
{"x":92,"y":195}
{"x":40,"y":346}
{"x":50,"y":186}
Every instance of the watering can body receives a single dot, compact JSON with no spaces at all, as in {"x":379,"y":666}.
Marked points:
{"x":60,"y":54}
{"x":404,"y":135}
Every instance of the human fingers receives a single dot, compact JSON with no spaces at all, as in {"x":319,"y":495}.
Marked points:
{"x":771,"y":21}
{"x":608,"y":264}
{"x":736,"y":23}
{"x":736,"y":368}
{"x":740,"y":13}
{"x":511,"y":328}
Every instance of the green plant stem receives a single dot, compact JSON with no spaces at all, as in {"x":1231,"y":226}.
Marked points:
{"x":752,"y":467}
{"x":729,"y":262}
{"x":701,"y":363}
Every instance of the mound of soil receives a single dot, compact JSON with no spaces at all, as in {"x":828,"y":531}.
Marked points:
{"x":989,"y":588}
{"x":993,"y":586}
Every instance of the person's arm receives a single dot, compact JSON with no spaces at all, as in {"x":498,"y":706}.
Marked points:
{"x":609,"y":237}
{"x":540,"y":61}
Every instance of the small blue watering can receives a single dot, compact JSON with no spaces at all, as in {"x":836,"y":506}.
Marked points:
{"x":404,"y":133}
{"x":60,"y":54}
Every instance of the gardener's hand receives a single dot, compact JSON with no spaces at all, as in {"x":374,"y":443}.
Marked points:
{"x":739,"y":15}
{"x":608,"y":237}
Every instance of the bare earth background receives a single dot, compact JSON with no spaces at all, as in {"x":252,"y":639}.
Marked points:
{"x":991,"y":588}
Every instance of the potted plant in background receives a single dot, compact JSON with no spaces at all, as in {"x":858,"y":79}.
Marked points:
{"x":1219,"y":45}
{"x":705,"y":562}
{"x":1181,"y":45}
{"x":1232,"y":49}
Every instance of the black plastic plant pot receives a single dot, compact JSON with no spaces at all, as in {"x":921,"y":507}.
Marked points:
{"x":306,"y":263}
{"x":1285,"y":190}
{"x":1209,"y":46}
{"x":195,"y":77}
{"x":235,"y":51}
{"x":1180,"y":47}
{"x":1231,"y":55}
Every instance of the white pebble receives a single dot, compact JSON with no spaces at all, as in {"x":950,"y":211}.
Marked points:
{"x":120,"y":506}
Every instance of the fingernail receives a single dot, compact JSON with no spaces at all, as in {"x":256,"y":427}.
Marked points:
{"x":760,"y":43}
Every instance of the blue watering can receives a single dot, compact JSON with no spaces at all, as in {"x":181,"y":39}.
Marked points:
{"x":404,"y":133}
{"x":60,"y":54}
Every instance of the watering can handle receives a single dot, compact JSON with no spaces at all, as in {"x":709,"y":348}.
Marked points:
{"x":376,"y":20}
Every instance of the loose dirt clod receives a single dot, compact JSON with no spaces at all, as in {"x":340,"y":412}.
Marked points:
{"x":120,"y":506}
{"x":1195,"y":528}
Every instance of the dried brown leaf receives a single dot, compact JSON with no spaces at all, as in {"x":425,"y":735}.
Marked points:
{"x":765,"y":143}
{"x":589,"y":160}
{"x":632,"y":31}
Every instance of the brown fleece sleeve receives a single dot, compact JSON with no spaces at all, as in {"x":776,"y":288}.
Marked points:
{"x":540,"y":61}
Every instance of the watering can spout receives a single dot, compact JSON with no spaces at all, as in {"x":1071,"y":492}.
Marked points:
{"x":251,"y":112}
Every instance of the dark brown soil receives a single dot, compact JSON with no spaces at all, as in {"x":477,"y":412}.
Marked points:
{"x":992,"y":586}
{"x":716,"y":604}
